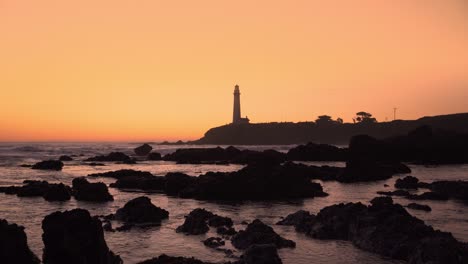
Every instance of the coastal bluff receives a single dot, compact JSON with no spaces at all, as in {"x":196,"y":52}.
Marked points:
{"x":328,"y":133}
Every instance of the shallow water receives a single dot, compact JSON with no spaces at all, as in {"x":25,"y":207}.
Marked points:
{"x":140,"y":244}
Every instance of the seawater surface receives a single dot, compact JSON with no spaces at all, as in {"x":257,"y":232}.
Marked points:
{"x":140,"y":244}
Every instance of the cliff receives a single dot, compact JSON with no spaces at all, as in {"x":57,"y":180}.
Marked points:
{"x":329,"y":133}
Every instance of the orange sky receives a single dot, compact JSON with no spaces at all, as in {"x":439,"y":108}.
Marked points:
{"x":156,"y":70}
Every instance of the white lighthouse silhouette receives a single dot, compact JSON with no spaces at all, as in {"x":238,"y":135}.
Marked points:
{"x":236,"y":117}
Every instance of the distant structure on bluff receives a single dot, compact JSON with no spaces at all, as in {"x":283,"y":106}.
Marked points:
{"x":236,"y":118}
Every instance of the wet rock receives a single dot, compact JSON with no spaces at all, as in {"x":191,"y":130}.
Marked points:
{"x":395,"y":193}
{"x":214,"y":242}
{"x":421,"y":207}
{"x":195,"y":222}
{"x":75,"y":237}
{"x":317,"y":152}
{"x":9,"y":189}
{"x":87,"y":191}
{"x":428,"y":196}
{"x":141,"y":182}
{"x":202,"y":155}
{"x":218,"y":221}
{"x":261,"y":254}
{"x":362,"y":170}
{"x":33,"y":189}
{"x":254,"y":182}
{"x":175,"y":182}
{"x":452,"y":189}
{"x":296,"y":219}
{"x":57,"y":192}
{"x":143,"y":150}
{"x":108,"y":227}
{"x":141,"y":210}
{"x":14,"y":247}
{"x":266,"y":157}
{"x":388,"y":229}
{"x":164,"y":259}
{"x":226,"y":231}
{"x":259,"y":233}
{"x":125,"y":227}
{"x":65,"y":158}
{"x":48,"y":165}
{"x":95,"y":164}
{"x":409,"y":182}
{"x":121,"y":174}
{"x":154,"y":156}
{"x":113,"y":156}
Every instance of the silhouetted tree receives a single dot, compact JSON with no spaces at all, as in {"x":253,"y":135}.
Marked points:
{"x":339,"y":120}
{"x":323,"y":119}
{"x":364,"y":117}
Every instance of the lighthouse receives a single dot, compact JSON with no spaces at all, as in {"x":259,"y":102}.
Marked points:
{"x":236,"y":117}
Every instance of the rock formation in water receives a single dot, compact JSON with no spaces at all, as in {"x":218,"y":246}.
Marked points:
{"x":48,"y":165}
{"x":259,"y":233}
{"x":88,"y":191}
{"x":14,"y":247}
{"x":74,"y":237}
{"x":143,"y":150}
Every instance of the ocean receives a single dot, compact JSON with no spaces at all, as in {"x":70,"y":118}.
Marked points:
{"x":139,"y":244}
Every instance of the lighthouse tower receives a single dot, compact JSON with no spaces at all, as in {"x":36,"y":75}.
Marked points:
{"x":236,"y":117}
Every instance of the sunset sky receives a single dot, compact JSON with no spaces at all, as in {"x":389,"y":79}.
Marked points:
{"x":93,"y":70}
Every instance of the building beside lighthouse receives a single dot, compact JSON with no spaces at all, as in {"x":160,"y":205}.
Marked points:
{"x":236,"y":117}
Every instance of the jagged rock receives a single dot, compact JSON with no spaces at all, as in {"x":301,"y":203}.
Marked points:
{"x":143,"y":150}
{"x":195,"y":222}
{"x":428,"y":196}
{"x":141,"y":210}
{"x":317,"y":152}
{"x":140,"y":182}
{"x":122,"y":174}
{"x":409,"y":182}
{"x":175,"y":182}
{"x":452,"y":189}
{"x":108,"y":226}
{"x":387,"y":229}
{"x":14,"y":247}
{"x":87,"y":191}
{"x":395,"y":193}
{"x":219,"y":221}
{"x":261,"y":254}
{"x":226,"y":231}
{"x":48,"y":165}
{"x":361,"y":170}
{"x":214,"y":242}
{"x":65,"y":158}
{"x":421,"y":207}
{"x":154,"y":156}
{"x":33,"y":188}
{"x":296,"y":219}
{"x":75,"y":237}
{"x":113,"y":156}
{"x":164,"y":259}
{"x":259,"y":233}
{"x":57,"y":192}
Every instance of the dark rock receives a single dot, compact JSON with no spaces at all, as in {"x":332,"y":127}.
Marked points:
{"x":141,"y":210}
{"x":261,"y":254}
{"x":387,"y":229}
{"x":75,"y":237}
{"x":361,"y":170}
{"x":395,"y":193}
{"x":95,"y":164}
{"x":108,"y":227}
{"x":164,"y":259}
{"x":9,"y":189}
{"x":202,"y":155}
{"x":121,"y":174}
{"x":226,"y":231}
{"x":14,"y":247}
{"x":48,"y":165}
{"x":296,"y":218}
{"x":113,"y":156}
{"x":87,"y":191}
{"x":154,"y":156}
{"x":176,"y":182}
{"x":143,"y":150}
{"x":125,"y":227}
{"x":317,"y":152}
{"x":259,"y":233}
{"x":409,"y":182}
{"x":65,"y":158}
{"x":33,"y":188}
{"x":421,"y":207}
{"x":218,"y":221}
{"x":214,"y":242}
{"x":195,"y":222}
{"x":57,"y":192}
{"x":428,"y":196}
{"x":152,"y":183}
{"x":254,"y":182}
{"x":452,"y":189}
